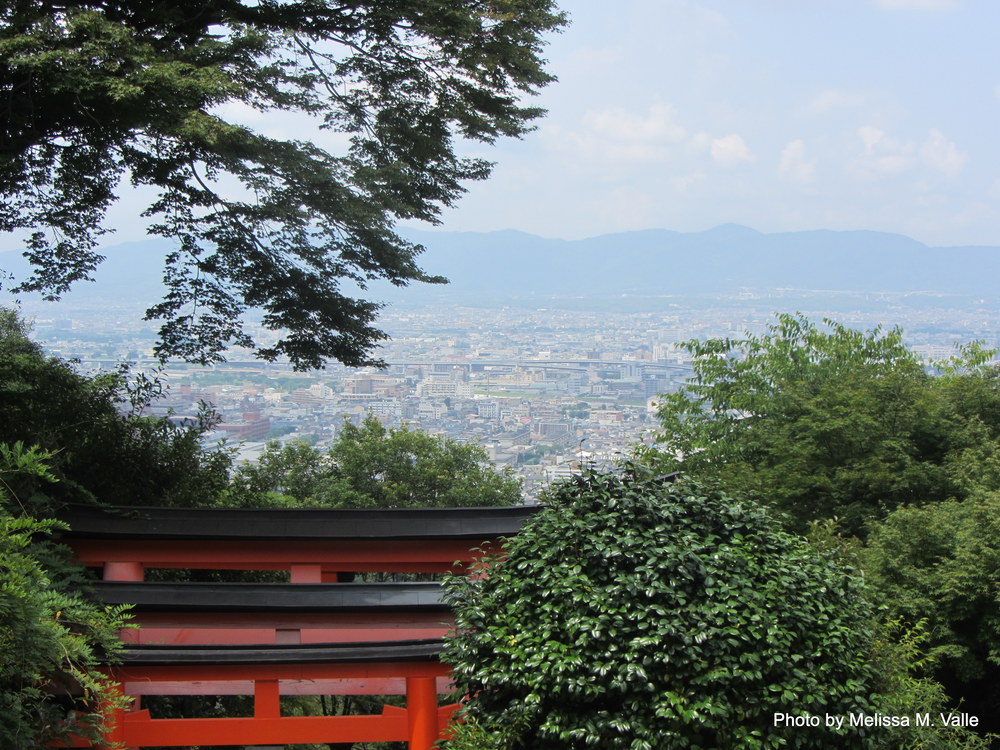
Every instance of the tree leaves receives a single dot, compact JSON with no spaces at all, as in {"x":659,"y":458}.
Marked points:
{"x":824,"y":421}
{"x":637,"y":614}
{"x":370,"y":466}
{"x":53,"y":639}
{"x":100,"y":92}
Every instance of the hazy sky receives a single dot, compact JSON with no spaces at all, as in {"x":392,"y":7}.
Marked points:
{"x":778,"y":114}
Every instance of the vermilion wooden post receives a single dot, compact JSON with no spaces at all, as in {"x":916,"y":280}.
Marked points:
{"x":306,"y":574}
{"x":123,"y":571}
{"x":421,"y":708}
{"x":266,"y":700}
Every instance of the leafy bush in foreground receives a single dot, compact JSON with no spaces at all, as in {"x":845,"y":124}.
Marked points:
{"x":632,"y":614}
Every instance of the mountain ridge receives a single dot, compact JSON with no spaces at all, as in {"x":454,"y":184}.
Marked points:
{"x":724,"y":259}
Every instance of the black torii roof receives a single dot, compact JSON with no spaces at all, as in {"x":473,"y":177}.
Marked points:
{"x":293,"y":524}
{"x":311,"y":653}
{"x":272,"y":597}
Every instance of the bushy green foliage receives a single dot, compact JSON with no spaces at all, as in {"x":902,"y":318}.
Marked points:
{"x":940,"y":564}
{"x":905,"y":659}
{"x":641,"y":614}
{"x":52,"y":638}
{"x":370,"y":466}
{"x":95,"y":92}
{"x":904,"y":687}
{"x":848,"y":430}
{"x":826,"y":421}
{"x":469,"y":734}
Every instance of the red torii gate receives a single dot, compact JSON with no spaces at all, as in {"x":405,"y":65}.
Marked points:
{"x":316,"y":635}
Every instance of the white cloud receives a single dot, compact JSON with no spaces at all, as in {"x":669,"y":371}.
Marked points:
{"x":614,"y":134}
{"x":827,"y":101}
{"x":684,"y":183}
{"x":883,"y":156}
{"x":919,"y":4}
{"x":941,"y":154}
{"x":615,"y":123}
{"x":585,"y":148}
{"x":794,"y":165}
{"x":701,"y":142}
{"x":730,"y":151}
{"x":871,"y":137}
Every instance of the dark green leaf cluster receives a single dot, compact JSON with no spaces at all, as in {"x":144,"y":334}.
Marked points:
{"x":643,"y":614}
{"x":906,"y":688}
{"x":97,"y":92}
{"x":373,"y":467}
{"x":940,"y":564}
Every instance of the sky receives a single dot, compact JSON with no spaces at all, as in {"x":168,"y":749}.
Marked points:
{"x":781,"y":115}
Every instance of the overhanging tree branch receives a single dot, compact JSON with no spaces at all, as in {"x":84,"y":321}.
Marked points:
{"x":93,"y":91}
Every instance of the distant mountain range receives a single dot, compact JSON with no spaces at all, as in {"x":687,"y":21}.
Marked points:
{"x":720,"y":260}
{"x":490,"y":267}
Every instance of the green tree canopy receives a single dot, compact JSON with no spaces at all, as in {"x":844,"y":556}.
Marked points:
{"x":824,"y":421}
{"x":940,"y":564}
{"x":102,"y":448}
{"x":370,"y":466}
{"x":630,"y":614}
{"x":97,"y":92}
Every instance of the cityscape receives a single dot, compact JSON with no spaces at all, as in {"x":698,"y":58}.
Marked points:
{"x":541,"y":388}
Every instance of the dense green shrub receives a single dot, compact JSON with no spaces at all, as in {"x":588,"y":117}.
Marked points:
{"x":632,"y":614}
